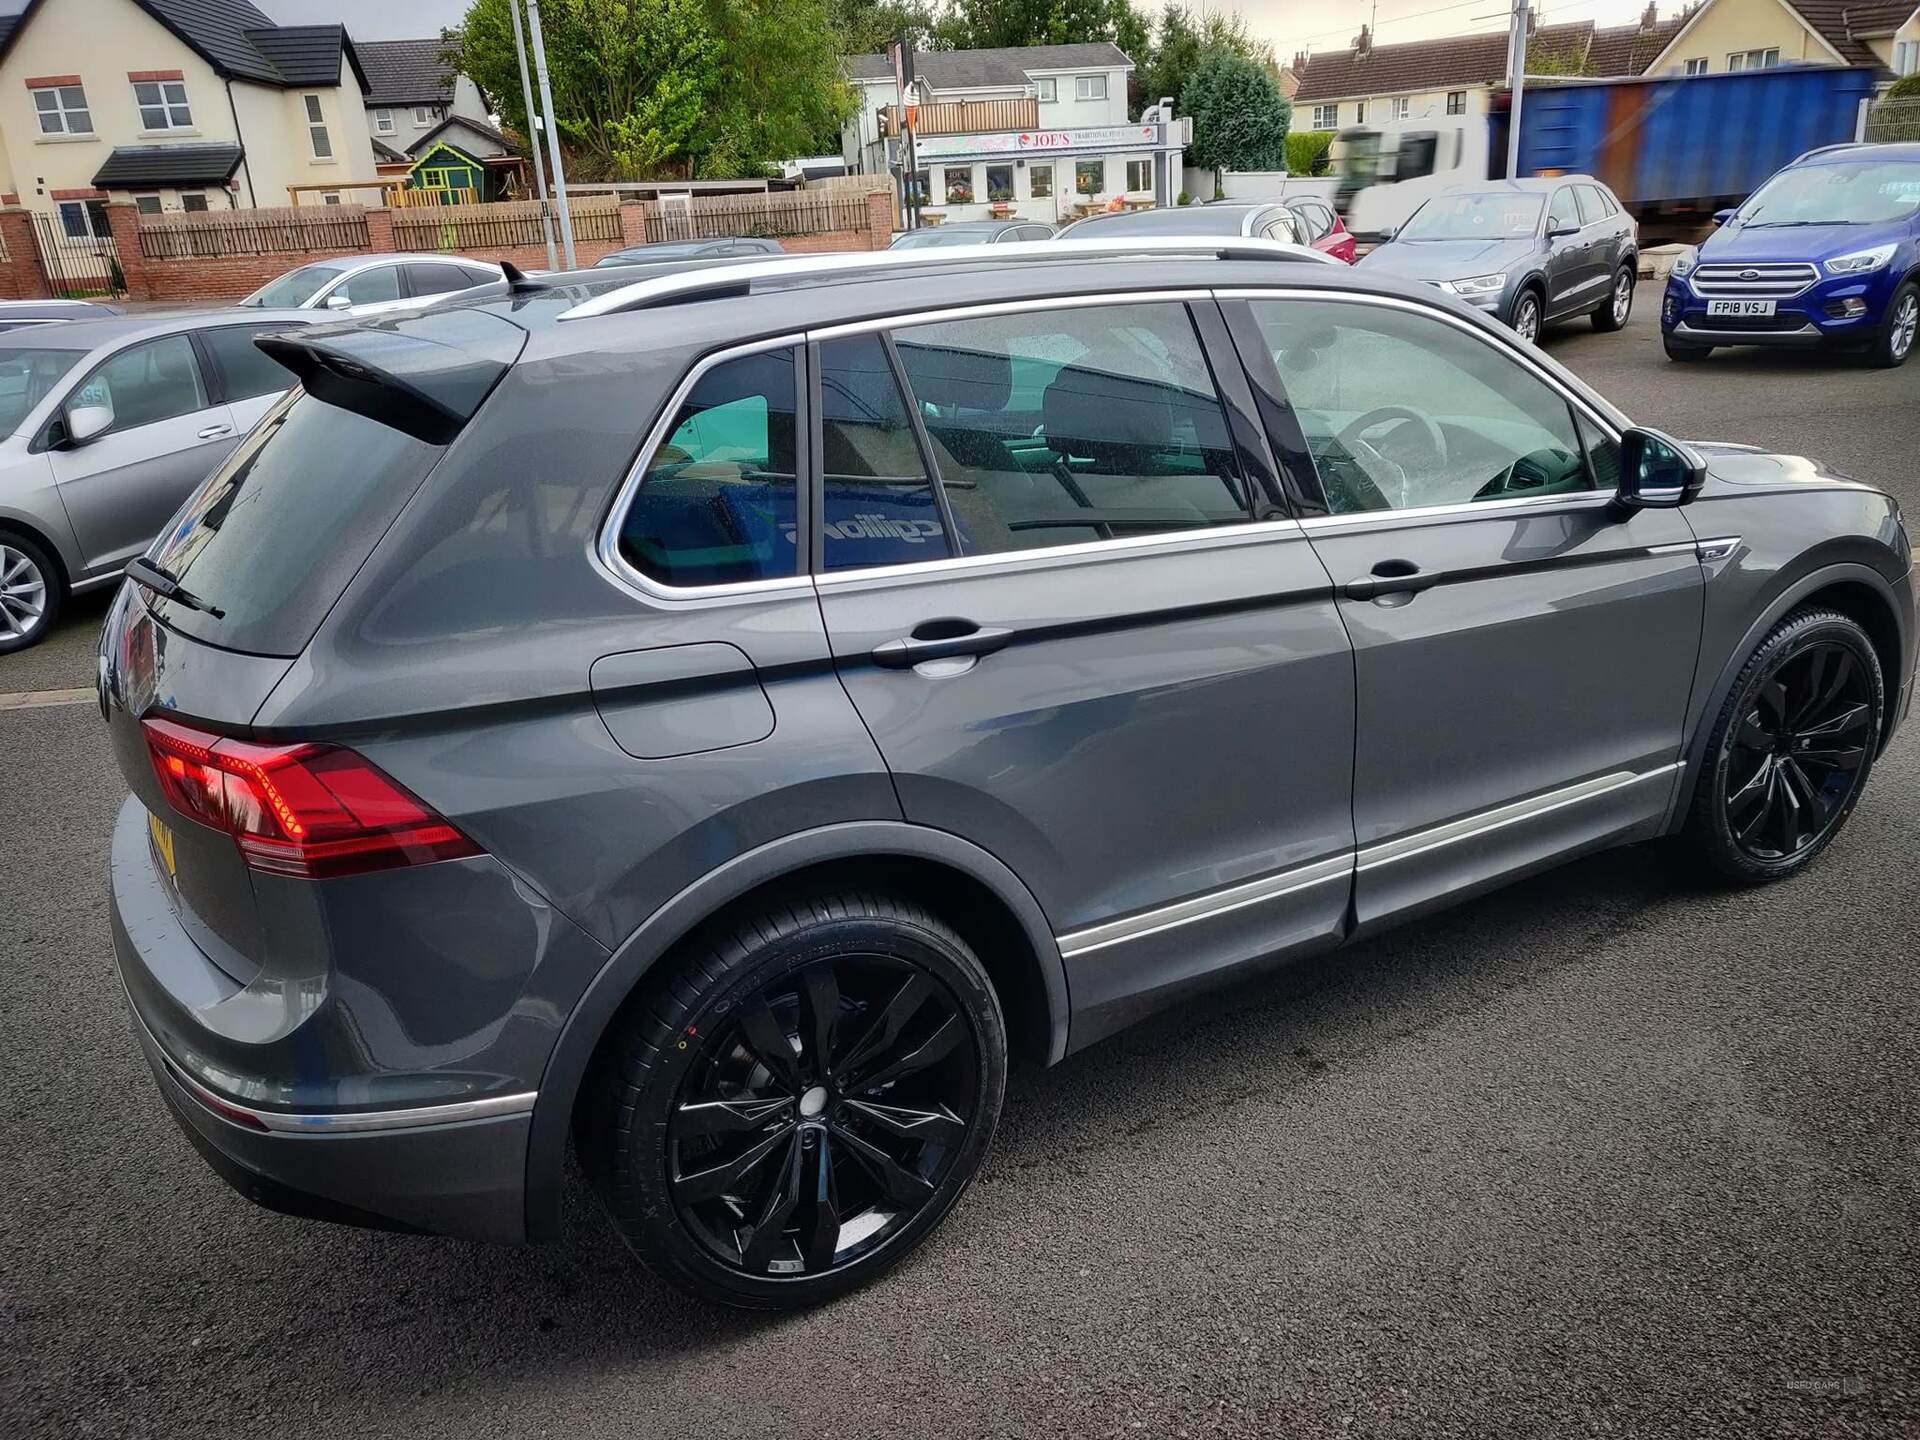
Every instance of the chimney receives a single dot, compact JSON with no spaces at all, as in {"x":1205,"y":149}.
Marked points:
{"x":1363,"y":42}
{"x":1533,"y":19}
{"x":1650,"y":17}
{"x":1299,"y":62}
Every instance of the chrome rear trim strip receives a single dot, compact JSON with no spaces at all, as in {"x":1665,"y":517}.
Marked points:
{"x":1454,"y":831}
{"x":350,"y":1122}
{"x":1206,"y":907}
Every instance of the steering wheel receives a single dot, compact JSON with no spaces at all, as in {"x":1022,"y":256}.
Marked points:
{"x":1353,"y":437}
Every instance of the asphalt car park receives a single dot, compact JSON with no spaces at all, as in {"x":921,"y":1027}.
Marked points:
{"x":1605,"y":1152}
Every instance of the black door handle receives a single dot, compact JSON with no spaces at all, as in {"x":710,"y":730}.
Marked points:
{"x":939,"y":640}
{"x":1392,"y":577}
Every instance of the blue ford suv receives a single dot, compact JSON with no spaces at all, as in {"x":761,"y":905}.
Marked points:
{"x":1827,"y":252}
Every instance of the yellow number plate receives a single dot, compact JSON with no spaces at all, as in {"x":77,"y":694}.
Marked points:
{"x":162,"y":844}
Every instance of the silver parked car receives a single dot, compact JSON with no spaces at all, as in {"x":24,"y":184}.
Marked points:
{"x":108,"y":426}
{"x":1527,"y":251}
{"x":374,"y":284}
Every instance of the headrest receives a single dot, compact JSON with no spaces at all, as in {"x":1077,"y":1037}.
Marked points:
{"x":957,"y":379}
{"x":1106,"y":418}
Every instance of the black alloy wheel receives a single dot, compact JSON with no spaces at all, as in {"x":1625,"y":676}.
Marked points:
{"x":1793,"y":748}
{"x":803,"y":1104}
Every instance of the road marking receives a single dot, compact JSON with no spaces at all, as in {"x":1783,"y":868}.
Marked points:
{"x":42,"y":699}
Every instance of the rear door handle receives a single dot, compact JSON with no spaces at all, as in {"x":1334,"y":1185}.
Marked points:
{"x":939,"y":640}
{"x":1392,"y":577}
{"x":214,"y":432}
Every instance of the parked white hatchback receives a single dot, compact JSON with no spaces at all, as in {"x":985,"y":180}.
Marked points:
{"x":372,"y":284}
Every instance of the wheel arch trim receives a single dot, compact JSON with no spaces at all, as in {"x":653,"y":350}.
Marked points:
{"x":635,"y":958}
{"x":1782,"y":604}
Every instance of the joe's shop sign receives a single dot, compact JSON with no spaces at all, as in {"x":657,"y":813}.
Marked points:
{"x":1103,"y":138}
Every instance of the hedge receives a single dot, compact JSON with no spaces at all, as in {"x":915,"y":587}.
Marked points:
{"x":1307,"y":152}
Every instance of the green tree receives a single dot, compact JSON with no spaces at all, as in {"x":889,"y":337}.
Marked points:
{"x":1240,"y":117}
{"x":1907,"y":87}
{"x":1183,"y":38}
{"x":864,"y":27}
{"x":988,"y":24}
{"x":670,"y":88}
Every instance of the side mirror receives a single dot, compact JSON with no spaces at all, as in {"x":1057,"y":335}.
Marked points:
{"x":1721,"y":217}
{"x":88,"y":422}
{"x":1560,"y":232}
{"x":1657,"y":472}
{"x":337,"y":301}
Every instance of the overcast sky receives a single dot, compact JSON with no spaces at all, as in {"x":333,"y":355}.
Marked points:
{"x":371,"y":19}
{"x":1294,"y":25}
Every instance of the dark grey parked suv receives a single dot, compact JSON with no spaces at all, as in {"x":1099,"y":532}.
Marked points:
{"x":717,"y":719}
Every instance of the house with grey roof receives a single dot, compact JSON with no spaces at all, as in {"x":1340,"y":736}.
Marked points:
{"x":175,"y":105}
{"x":1037,"y":132}
{"x":412,"y":91}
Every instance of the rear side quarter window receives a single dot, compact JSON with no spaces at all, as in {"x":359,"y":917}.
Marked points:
{"x":716,"y":501}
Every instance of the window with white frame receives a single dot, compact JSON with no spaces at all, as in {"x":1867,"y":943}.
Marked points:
{"x":1139,"y":175}
{"x":1753,"y":59}
{"x":383,"y":122}
{"x":1695,"y":66}
{"x":1402,"y":108}
{"x":147,"y":204}
{"x":1906,"y":57}
{"x":423,"y":116}
{"x":84,"y":220}
{"x":1089,"y":87}
{"x":1326,"y":117}
{"x":63,"y":110}
{"x":1456,"y":102}
{"x":1359,"y":112}
{"x":163,"y":105}
{"x":317,"y":129}
{"x":193,"y":201}
{"x":1046,"y":89}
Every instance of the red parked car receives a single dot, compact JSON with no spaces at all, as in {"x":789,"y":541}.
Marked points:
{"x":1321,"y":227}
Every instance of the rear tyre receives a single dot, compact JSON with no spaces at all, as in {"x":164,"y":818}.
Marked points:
{"x":1619,"y":303}
{"x":1894,"y":344}
{"x":1790,"y":750}
{"x":1679,"y":350}
{"x":1524,"y":321}
{"x":792,"y":1108}
{"x":31,"y":592}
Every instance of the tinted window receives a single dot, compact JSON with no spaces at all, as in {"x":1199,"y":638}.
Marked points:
{"x":369,"y":287}
{"x":439,"y":279}
{"x":1416,"y":156}
{"x":716,"y":503}
{"x":1564,"y":211}
{"x":1402,"y":410}
{"x":147,"y":383}
{"x":878,"y":501}
{"x":1592,"y":207}
{"x":249,"y":371}
{"x":1065,"y":426}
{"x":26,"y":378}
{"x":276,"y":532}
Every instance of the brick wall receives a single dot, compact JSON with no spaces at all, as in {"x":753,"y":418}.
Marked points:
{"x":20,"y":277}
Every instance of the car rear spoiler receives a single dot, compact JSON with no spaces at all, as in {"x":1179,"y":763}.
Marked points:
{"x":424,"y":375}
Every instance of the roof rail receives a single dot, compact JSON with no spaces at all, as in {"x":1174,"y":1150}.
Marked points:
{"x":719,"y":279}
{"x":1825,"y":149}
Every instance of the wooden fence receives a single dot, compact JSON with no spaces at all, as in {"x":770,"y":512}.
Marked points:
{"x":778,"y":215}
{"x":500,"y":225}
{"x":287,"y":230}
{"x":965,"y":117}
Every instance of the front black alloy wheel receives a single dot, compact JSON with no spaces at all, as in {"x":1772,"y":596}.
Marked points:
{"x":1792,"y":748}
{"x":802,"y":1104}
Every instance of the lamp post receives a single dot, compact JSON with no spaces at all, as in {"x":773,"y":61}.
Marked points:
{"x":533,"y":134}
{"x":553,"y":132}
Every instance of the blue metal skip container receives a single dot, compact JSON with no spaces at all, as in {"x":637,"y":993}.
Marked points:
{"x":1690,"y":142}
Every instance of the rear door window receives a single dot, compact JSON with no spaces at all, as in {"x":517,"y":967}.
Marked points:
{"x":428,"y":279}
{"x":247,"y":370}
{"x":1592,"y":206}
{"x":1061,"y":427}
{"x":716,"y":502}
{"x":275,"y":533}
{"x":878,"y":499}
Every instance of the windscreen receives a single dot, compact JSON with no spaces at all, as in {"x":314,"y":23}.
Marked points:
{"x":1178,"y":221}
{"x":274,"y":535}
{"x":293,"y":289}
{"x":1474,"y":217}
{"x":1858,"y":192}
{"x":26,"y":378}
{"x":938,"y":235}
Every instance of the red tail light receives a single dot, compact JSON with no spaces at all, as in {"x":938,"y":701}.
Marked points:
{"x":313,"y":811}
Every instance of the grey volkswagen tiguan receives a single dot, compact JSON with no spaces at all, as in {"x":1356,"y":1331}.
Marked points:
{"x":716,"y":720}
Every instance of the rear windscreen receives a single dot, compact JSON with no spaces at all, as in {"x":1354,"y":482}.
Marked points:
{"x":275,"y":534}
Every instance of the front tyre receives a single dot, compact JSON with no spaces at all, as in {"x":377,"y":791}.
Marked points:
{"x":1894,"y":344}
{"x":1619,"y":305}
{"x":30,"y":592}
{"x":1525,"y":319}
{"x":1790,"y":750}
{"x":797,"y":1104}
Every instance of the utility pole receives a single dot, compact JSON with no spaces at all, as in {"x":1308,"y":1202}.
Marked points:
{"x":1516,"y":83}
{"x":533,"y":135}
{"x":553,"y":131}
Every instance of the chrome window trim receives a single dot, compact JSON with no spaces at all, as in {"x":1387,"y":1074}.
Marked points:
{"x":912,"y":319}
{"x":1462,"y":510}
{"x":605,"y":552}
{"x":1206,"y":907}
